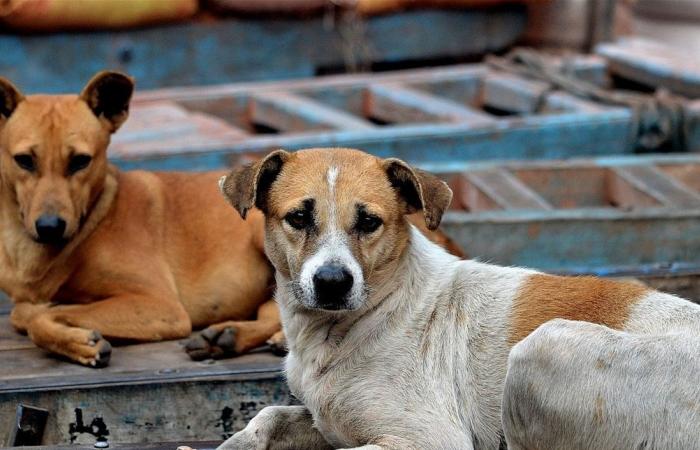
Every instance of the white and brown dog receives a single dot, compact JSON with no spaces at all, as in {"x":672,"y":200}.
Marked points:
{"x":395,"y":344}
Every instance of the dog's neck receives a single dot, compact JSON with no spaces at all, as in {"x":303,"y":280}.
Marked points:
{"x":26,"y":261}
{"x":397,"y":291}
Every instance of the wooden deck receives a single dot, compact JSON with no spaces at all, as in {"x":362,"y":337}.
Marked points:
{"x":148,"y":393}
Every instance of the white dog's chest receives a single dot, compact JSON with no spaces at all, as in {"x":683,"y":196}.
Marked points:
{"x":351,"y":403}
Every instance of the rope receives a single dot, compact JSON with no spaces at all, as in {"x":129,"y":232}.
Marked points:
{"x":342,"y":16}
{"x":658,"y":120}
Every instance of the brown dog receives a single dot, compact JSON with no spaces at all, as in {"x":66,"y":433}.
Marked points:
{"x":91,"y":253}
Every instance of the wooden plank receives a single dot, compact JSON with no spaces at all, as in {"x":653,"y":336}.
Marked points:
{"x":561,"y":101}
{"x":292,"y":113}
{"x":577,"y":240}
{"x":30,"y":369}
{"x":10,"y":339}
{"x":506,"y":190}
{"x":395,"y":103}
{"x":653,"y":64}
{"x":588,"y":67}
{"x":664,"y":189}
{"x":512,"y":93}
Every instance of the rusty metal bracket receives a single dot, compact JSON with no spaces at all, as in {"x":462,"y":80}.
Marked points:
{"x":29,"y":426}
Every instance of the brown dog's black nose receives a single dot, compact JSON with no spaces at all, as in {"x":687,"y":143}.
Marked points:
{"x":50,"y":229}
{"x":332,"y":282}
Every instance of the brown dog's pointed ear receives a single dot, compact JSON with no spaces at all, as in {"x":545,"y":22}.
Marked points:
{"x":420,"y":190}
{"x":10,"y":97}
{"x":248,"y":186}
{"x":108,"y":95}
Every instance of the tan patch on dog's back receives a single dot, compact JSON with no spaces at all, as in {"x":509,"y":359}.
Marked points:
{"x":545,"y":297}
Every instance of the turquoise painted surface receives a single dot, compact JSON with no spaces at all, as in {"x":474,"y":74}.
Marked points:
{"x":234,"y":49}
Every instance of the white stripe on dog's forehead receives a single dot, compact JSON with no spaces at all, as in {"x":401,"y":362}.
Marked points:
{"x":332,"y":177}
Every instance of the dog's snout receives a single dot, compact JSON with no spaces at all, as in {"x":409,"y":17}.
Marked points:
{"x":332,"y":283}
{"x":50,"y":229}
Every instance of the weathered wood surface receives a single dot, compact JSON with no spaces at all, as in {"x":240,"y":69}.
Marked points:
{"x":424,"y":116}
{"x":654,"y":64}
{"x":148,"y":393}
{"x":244,"y":49}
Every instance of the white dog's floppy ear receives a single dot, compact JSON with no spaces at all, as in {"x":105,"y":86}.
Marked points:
{"x":108,"y":95}
{"x":248,"y":186}
{"x":10,"y":97}
{"x":420,"y":190}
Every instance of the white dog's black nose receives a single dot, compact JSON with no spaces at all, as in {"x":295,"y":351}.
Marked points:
{"x":332,"y":283}
{"x":50,"y":229}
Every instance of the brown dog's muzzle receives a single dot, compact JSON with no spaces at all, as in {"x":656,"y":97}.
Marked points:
{"x":50,"y":229}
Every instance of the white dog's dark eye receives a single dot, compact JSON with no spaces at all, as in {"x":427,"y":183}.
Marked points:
{"x":368,"y":223}
{"x":78,"y":162}
{"x":25,"y":161}
{"x":299,"y":219}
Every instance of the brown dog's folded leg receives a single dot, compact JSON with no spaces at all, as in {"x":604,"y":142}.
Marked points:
{"x":235,"y":337}
{"x":76,"y":331}
{"x":23,"y":313}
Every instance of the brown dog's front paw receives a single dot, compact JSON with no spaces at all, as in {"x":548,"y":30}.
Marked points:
{"x":212,"y":344}
{"x":96,"y":352}
{"x":278,"y":344}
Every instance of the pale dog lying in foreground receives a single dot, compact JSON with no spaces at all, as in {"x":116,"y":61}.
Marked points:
{"x":395,"y":344}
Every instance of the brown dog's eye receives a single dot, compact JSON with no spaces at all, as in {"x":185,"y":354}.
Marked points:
{"x":26,"y":162}
{"x":299,"y":219}
{"x":367,"y":223}
{"x":78,"y":162}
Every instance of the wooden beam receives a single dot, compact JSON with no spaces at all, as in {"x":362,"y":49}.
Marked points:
{"x":506,"y":190}
{"x":652,"y":182}
{"x":561,"y":101}
{"x":468,"y":197}
{"x":653,"y":64}
{"x":289,"y":112}
{"x":511,"y":93}
{"x":395,"y":103}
